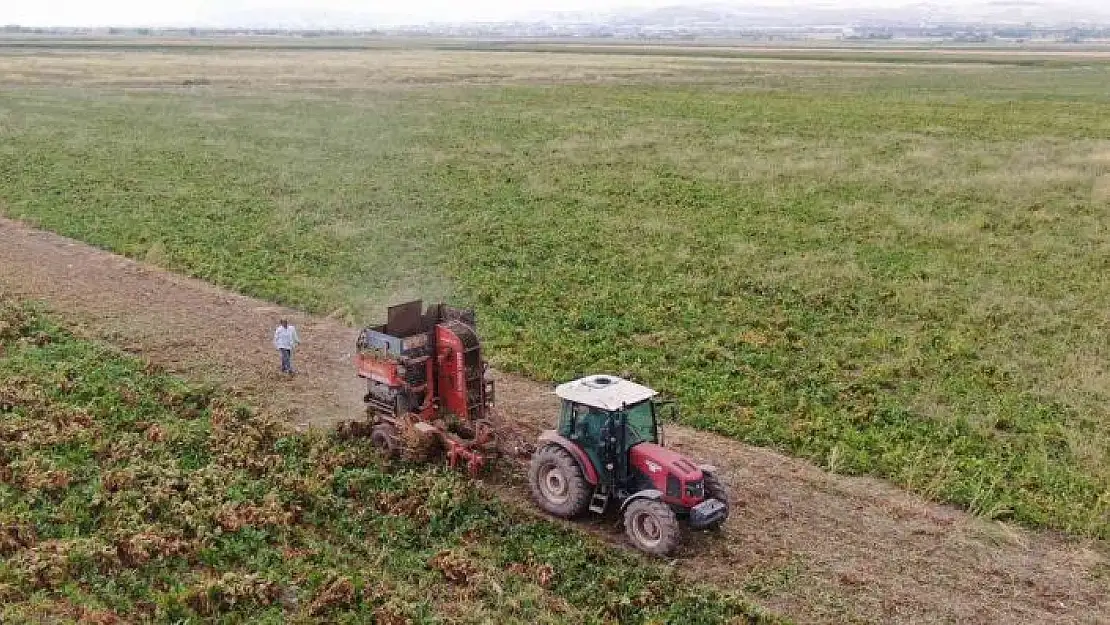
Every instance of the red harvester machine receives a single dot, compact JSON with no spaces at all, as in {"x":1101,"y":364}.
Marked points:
{"x":427,"y":386}
{"x":428,"y":390}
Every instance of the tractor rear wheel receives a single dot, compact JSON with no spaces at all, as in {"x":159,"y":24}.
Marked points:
{"x":557,"y":483}
{"x":715,"y":489}
{"x":651,"y":526}
{"x":384,"y":437}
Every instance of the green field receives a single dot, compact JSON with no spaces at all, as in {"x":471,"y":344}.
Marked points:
{"x":127,"y":494}
{"x":893,"y":269}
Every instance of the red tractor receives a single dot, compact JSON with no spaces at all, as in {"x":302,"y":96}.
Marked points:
{"x":427,"y":386}
{"x":606,"y":453}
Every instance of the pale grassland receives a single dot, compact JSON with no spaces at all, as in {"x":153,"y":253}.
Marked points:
{"x":359,"y":69}
{"x":284,"y":69}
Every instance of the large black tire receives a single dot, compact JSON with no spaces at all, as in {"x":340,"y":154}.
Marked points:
{"x":384,"y":437}
{"x":652,"y":527}
{"x":557,"y":482}
{"x":715,"y":489}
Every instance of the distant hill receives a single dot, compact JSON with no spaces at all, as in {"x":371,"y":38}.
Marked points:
{"x":725,"y":14}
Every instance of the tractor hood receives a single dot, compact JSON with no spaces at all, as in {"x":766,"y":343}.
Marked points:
{"x":656,"y":461}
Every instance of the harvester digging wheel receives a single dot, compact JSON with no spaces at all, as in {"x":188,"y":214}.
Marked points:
{"x":418,"y":447}
{"x":651,"y":526}
{"x":483,"y":428}
{"x":715,"y":489}
{"x":384,"y":437}
{"x":557,"y":483}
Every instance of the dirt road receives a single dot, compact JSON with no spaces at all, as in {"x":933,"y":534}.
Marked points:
{"x":815,"y":546}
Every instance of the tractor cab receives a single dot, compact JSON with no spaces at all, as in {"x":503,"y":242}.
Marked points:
{"x":606,"y":417}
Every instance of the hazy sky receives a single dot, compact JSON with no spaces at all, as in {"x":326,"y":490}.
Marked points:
{"x":220,"y":12}
{"x":121,"y":12}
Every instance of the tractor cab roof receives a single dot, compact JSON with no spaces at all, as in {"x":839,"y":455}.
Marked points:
{"x":604,"y":391}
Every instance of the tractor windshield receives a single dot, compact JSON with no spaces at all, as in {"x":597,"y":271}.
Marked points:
{"x":641,"y":423}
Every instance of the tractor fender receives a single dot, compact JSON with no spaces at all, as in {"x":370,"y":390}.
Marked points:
{"x":552,"y":437}
{"x":651,"y":494}
{"x":710,"y":468}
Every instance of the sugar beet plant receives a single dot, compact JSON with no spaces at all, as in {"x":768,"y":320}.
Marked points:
{"x":128,"y":495}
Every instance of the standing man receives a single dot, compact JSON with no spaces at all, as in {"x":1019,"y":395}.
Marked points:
{"x":286,"y":340}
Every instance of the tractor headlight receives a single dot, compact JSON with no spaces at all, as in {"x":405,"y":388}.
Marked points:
{"x":401,"y":370}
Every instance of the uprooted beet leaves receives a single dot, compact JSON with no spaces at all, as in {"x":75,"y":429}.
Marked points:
{"x":127,"y":496}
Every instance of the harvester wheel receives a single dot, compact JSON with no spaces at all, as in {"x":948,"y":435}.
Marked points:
{"x":384,"y":437}
{"x":557,"y":483}
{"x":651,"y":526}
{"x":715,"y":489}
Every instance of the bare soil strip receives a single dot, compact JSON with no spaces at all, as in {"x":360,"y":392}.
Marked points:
{"x":812,"y":545}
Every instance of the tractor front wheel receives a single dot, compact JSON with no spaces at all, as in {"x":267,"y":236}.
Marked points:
{"x":384,"y":437}
{"x":715,"y":489}
{"x":557,"y":482}
{"x":651,"y":526}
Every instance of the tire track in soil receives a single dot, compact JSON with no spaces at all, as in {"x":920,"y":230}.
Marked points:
{"x":818,"y":547}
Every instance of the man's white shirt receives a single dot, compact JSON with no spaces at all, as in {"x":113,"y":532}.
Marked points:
{"x":286,"y":338}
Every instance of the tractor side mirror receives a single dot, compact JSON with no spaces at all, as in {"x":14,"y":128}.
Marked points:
{"x":668,"y":411}
{"x":665,"y":412}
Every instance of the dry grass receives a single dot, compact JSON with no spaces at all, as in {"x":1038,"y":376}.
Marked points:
{"x":373,"y":69}
{"x":285,"y":70}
